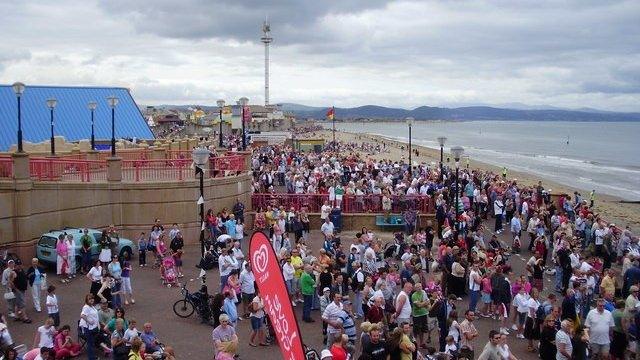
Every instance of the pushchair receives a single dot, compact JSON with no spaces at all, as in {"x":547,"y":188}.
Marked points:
{"x":168,"y":271}
{"x":210,"y":258}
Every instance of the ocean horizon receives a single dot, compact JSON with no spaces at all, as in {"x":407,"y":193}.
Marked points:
{"x":603,"y":156}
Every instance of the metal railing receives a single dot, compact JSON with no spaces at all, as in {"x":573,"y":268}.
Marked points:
{"x":56,"y":169}
{"x":350,"y":204}
{"x":227,"y":165}
{"x":126,"y":154}
{"x":156,"y":170}
{"x":6,"y":167}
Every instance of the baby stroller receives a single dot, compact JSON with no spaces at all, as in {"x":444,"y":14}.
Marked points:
{"x":168,"y":271}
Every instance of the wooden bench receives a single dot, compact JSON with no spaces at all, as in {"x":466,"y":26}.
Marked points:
{"x":390,"y":221}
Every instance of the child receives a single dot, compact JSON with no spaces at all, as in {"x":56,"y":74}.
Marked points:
{"x":52,"y":305}
{"x":142,"y":250}
{"x":127,"y":292}
{"x":116,"y":293}
{"x":502,"y":315}
{"x":451,"y":348}
{"x":486,"y":296}
{"x":131,"y":332}
{"x":521,"y":302}
{"x":177,"y":257}
{"x":239,"y":231}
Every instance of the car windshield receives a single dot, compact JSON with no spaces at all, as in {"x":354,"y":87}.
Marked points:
{"x":48,"y":241}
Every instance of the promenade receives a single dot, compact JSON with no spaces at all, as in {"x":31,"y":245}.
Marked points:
{"x":192,"y":340}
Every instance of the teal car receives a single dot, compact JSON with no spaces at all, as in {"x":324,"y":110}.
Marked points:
{"x":46,"y":248}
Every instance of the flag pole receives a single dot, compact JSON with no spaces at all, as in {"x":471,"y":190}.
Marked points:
{"x":333,"y":119}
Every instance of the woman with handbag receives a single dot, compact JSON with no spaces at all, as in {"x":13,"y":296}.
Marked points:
{"x":37,"y":281}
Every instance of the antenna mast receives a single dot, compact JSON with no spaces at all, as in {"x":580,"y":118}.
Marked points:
{"x":266,"y":39}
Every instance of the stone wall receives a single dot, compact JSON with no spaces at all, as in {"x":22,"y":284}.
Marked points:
{"x":29,"y":209}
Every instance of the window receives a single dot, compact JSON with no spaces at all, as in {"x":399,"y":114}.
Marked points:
{"x":48,"y":241}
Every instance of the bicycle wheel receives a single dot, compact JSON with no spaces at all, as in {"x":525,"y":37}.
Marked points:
{"x":183,"y":308}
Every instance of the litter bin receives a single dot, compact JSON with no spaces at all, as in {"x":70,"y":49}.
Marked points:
{"x":336,"y":218}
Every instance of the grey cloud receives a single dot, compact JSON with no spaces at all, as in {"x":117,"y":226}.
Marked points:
{"x":240,"y":19}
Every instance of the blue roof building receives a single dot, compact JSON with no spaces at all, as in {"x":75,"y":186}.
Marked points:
{"x":72,"y":118}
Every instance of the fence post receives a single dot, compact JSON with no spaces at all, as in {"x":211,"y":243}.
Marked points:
{"x":158,"y":153}
{"x":22,"y":228}
{"x":137,"y":172}
{"x":114,"y":169}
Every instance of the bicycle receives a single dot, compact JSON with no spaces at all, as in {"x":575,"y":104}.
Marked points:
{"x":191,"y":303}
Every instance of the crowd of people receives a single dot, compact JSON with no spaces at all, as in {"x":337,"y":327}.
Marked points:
{"x":101,"y":323}
{"x":419,"y":296}
{"x":420,"y":283}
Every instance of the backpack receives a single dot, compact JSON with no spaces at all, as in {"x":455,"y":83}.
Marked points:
{"x":541,"y":312}
{"x":355,"y":284}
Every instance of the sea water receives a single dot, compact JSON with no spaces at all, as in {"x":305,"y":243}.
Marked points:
{"x":604,"y":156}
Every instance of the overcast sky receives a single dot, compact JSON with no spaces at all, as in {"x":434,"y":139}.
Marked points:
{"x":582,"y":53}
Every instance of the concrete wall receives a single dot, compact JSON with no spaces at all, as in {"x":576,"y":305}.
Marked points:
{"x":29,"y":209}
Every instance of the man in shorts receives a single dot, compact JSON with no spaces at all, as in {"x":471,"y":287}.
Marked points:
{"x":599,"y":322}
{"x":420,"y":313}
{"x":248,"y":288}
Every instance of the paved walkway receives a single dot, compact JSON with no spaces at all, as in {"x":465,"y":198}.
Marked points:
{"x":191,"y":339}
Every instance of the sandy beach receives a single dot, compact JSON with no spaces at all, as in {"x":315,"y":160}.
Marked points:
{"x":610,"y":207}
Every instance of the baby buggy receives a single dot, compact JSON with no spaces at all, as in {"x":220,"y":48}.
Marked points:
{"x":168,"y":271}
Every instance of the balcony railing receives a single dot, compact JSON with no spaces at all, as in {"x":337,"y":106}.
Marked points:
{"x":57,"y":169}
{"x":6,"y":168}
{"x":350,"y":204}
{"x":156,"y":170}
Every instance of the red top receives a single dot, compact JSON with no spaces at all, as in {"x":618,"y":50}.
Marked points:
{"x":338,"y":352}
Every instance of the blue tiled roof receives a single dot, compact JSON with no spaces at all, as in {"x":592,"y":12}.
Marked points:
{"x":72,"y":118}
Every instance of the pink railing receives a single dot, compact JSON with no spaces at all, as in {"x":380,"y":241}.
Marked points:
{"x":179,"y":154}
{"x":132,"y":154}
{"x":56,"y":169}
{"x":156,"y":170}
{"x":6,"y":167}
{"x":350,"y":204}
{"x":226,"y":165}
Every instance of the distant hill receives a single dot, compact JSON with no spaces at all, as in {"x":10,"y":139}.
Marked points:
{"x":376,"y":112}
{"x":460,"y":113}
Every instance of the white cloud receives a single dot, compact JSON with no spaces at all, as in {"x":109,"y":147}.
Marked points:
{"x":345,"y":53}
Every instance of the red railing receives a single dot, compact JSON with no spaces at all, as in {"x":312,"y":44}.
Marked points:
{"x":350,"y":204}
{"x":156,"y":170}
{"x":226,"y":165}
{"x":132,"y":154}
{"x":56,"y":169}
{"x":6,"y":167}
{"x":179,"y":154}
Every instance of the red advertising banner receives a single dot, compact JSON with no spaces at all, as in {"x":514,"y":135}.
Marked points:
{"x":273,"y":291}
{"x":247,"y":114}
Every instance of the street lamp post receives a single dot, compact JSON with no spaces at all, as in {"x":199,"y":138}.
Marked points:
{"x":441,"y":141}
{"x":410,"y":121}
{"x":243,"y":102}
{"x":113,"y":101}
{"x":18,"y":88}
{"x":457,"y":152}
{"x":92,"y":105}
{"x":51,"y":104}
{"x":201,"y":159}
{"x":220,"y":105}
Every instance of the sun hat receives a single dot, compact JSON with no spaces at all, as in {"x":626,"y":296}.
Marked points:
{"x":325,"y":354}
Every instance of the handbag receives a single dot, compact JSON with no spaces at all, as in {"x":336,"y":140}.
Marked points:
{"x":43,"y":282}
{"x":9,"y":295}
